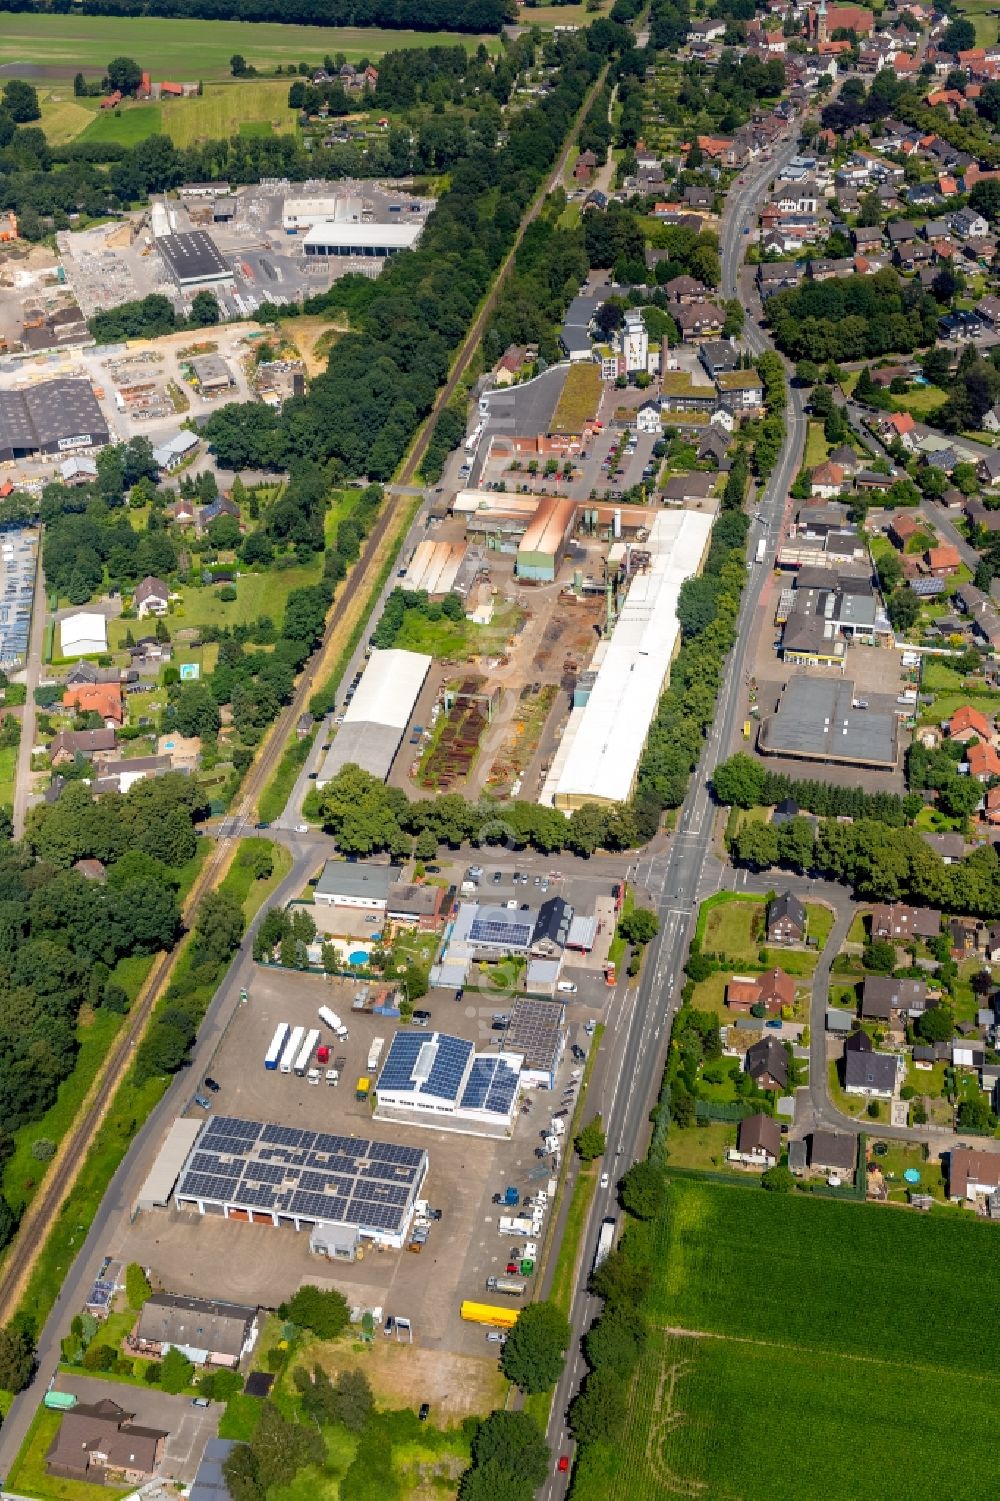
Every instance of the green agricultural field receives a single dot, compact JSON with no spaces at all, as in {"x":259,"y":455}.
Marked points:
{"x":256,"y":107}
{"x":771,"y":1315}
{"x":127,"y":126}
{"x":184,"y":49}
{"x":707,"y":1415}
{"x":817,"y":1288}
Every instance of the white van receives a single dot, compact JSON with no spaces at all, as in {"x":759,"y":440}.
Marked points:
{"x":566,"y":987}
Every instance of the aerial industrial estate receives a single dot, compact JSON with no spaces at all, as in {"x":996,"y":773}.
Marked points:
{"x":499,"y":752}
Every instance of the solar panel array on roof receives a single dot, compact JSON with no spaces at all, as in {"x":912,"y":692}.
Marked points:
{"x":311,"y":1175}
{"x":513,"y":932}
{"x":419,"y":1064}
{"x":18,"y":550}
{"x":492,"y":1086}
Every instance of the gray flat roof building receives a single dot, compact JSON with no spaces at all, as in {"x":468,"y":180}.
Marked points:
{"x":55,"y":416}
{"x":536,"y":1031}
{"x":193,"y":259}
{"x":816,"y":721}
{"x":346,"y":883}
{"x":371,"y":746}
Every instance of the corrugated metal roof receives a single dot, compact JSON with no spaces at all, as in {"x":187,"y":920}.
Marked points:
{"x":609,"y":737}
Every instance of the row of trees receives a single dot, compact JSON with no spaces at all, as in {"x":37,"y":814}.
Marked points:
{"x":744,"y":782}
{"x":151,"y":316}
{"x":415,"y":15}
{"x":881,"y":864}
{"x":366,"y":817}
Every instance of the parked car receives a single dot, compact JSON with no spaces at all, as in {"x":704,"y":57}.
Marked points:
{"x":425,"y":1412}
{"x":200,"y":1099}
{"x":213,"y":1085}
{"x":421,"y":1018}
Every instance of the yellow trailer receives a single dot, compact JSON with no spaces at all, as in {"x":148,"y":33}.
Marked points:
{"x":486,"y":1313}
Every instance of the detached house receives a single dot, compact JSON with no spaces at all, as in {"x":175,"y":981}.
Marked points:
{"x":151,"y":597}
{"x":767,"y":1064}
{"x":786,"y":919}
{"x":98,"y":1442}
{"x":758,"y":1142}
{"x":874,"y":1075}
{"x":772,"y":990}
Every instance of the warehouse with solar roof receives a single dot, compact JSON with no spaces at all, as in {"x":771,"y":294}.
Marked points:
{"x":343,"y":1189}
{"x":446,"y":1082}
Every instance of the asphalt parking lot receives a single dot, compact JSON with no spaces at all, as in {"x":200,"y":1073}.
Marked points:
{"x":188,"y":1427}
{"x":211,"y":1257}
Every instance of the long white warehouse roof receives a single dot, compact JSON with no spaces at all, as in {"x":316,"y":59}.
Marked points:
{"x":602,"y":760}
{"x":366,"y":236}
{"x":389,"y":688}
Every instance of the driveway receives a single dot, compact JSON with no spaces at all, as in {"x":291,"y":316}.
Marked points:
{"x":189,"y":1428}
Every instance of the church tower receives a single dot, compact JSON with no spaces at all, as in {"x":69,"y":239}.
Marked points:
{"x":821,"y":34}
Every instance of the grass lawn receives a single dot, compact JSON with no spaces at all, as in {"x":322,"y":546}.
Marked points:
{"x":938,"y":677}
{"x":185,"y":49}
{"x":456,"y":639}
{"x":8,"y":765}
{"x":704,"y":1411}
{"x":856,"y":932}
{"x":29,"y":1476}
{"x":820,"y":923}
{"x":919,"y":400}
{"x":229,"y":109}
{"x":127,"y":126}
{"x":63,"y":116}
{"x":817,"y":447}
{"x":702,"y":1147}
{"x":256,"y":594}
{"x":982,"y":13}
{"x":898,"y":1159}
{"x":252,"y":893}
{"x":945,"y":705}
{"x":240,"y":1419}
{"x":279,"y":789}
{"x":563,"y":15}
{"x":731,"y":927}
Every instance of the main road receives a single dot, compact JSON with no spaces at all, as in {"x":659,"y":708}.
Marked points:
{"x":627,"y":1077}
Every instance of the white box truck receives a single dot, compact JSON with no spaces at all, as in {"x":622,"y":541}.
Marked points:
{"x":761,"y":550}
{"x":276,"y":1049}
{"x":292,"y":1049}
{"x":375,"y":1053}
{"x":514,"y":1225}
{"x":306,"y":1051}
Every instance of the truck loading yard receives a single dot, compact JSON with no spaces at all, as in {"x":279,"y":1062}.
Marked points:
{"x":486,"y":1199}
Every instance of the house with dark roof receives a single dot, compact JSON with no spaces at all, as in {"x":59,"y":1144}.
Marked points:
{"x":99,"y":1442}
{"x":767,"y":1064}
{"x":786,"y":919}
{"x":772,"y":990}
{"x":552,"y":927}
{"x":884,"y":997}
{"x":832,"y":1152}
{"x":898,"y":922}
{"x":205,"y":1331}
{"x":874,"y":1075}
{"x":69,"y":744}
{"x":758,"y":1141}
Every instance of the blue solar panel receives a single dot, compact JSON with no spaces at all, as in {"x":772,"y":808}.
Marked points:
{"x":492,"y":1086}
{"x":448,"y":1070}
{"x":480,"y":1079}
{"x":397,"y":1070}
